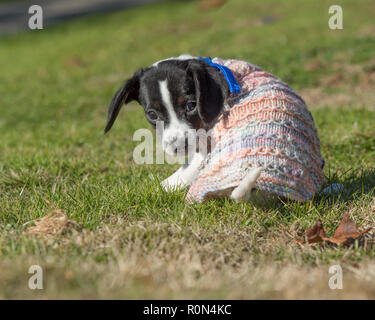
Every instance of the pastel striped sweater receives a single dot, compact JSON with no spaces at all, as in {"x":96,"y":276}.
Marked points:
{"x":267,"y":125}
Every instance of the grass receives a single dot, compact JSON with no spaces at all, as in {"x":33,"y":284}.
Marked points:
{"x":136,"y":241}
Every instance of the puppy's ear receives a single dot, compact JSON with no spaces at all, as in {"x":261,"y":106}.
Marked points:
{"x":128,"y":92}
{"x":211,"y":90}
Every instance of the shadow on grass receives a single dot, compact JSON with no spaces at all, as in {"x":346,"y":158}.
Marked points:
{"x":355,"y":182}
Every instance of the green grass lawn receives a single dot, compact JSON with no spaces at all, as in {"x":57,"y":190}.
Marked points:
{"x":133,"y":240}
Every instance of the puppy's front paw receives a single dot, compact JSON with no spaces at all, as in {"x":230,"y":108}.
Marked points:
{"x":172,"y":183}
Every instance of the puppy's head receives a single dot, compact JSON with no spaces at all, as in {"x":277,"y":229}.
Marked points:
{"x":185,"y":93}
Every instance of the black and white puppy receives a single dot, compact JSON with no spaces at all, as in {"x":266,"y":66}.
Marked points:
{"x":183,"y":92}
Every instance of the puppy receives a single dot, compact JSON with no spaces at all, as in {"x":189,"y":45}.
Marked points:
{"x":187,"y":92}
{"x":183,"y":92}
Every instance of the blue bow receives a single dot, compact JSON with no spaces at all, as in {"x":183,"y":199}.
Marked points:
{"x":234,"y":87}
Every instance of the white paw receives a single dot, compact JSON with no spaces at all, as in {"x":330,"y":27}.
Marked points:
{"x":173,"y":183}
{"x":243,"y":191}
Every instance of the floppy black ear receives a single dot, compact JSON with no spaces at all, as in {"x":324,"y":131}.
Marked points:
{"x":128,"y":92}
{"x":211,"y":90}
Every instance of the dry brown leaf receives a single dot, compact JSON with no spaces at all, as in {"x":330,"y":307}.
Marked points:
{"x":74,"y":62}
{"x":346,"y":231}
{"x":313,"y":65}
{"x":210,"y":4}
{"x":55,"y":223}
{"x":315,"y":233}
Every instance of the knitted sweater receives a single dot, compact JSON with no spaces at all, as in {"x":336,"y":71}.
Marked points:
{"x":267,"y":125}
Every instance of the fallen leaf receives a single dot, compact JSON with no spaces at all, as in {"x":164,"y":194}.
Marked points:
{"x":74,"y":62}
{"x":55,"y":223}
{"x":313,"y":65}
{"x":346,"y":231}
{"x":210,"y":4}
{"x":315,"y":233}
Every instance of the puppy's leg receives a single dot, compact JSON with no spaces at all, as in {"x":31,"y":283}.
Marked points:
{"x":185,"y":175}
{"x":243,"y":191}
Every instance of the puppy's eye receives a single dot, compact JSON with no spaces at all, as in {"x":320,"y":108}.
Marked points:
{"x":152,"y":115}
{"x":190,"y":106}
